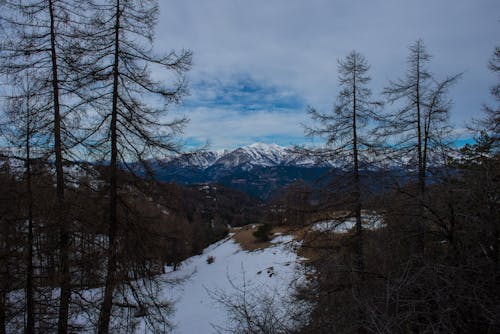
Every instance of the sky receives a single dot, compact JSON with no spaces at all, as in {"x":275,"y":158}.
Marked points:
{"x":258,"y":64}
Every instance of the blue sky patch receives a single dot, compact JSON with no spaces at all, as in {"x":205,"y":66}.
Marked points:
{"x":244,"y":94}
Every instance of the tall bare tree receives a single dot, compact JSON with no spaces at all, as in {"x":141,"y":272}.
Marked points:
{"x":345,"y":130}
{"x":419,"y":125}
{"x":41,"y":36}
{"x":408,"y":121}
{"x":129,"y":127}
{"x":422,"y":110}
{"x":24,"y":129}
{"x":481,"y":159}
{"x":490,"y":123}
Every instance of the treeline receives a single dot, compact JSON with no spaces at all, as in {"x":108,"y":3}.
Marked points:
{"x":434,"y":265}
{"x":77,"y":77}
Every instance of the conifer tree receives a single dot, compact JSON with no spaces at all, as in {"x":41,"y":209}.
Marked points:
{"x":345,"y":130}
{"x":417,"y":130}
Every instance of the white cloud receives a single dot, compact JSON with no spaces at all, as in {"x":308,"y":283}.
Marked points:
{"x":295,"y":44}
{"x":229,"y":128}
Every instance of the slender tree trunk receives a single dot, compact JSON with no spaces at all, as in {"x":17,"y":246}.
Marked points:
{"x":107,"y":304}
{"x":63,"y":232}
{"x":360,"y":261}
{"x":30,"y":305}
{"x":357,"y":188}
{"x":426,"y":144}
{"x":421,"y":171}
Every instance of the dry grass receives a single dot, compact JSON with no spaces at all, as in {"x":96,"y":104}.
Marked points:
{"x":314,"y":244}
{"x":244,"y":237}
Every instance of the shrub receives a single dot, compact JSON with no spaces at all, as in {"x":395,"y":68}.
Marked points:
{"x":262,"y":233}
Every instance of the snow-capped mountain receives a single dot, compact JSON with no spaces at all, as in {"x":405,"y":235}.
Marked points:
{"x":258,"y":154}
{"x":201,"y":160}
{"x":246,"y":157}
{"x":261,"y":170}
{"x":258,"y":169}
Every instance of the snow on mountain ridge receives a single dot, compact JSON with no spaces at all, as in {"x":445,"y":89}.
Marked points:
{"x":256,"y":154}
{"x":203,"y":159}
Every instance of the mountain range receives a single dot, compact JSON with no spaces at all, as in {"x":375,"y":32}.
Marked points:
{"x":247,"y":157}
{"x":258,"y":169}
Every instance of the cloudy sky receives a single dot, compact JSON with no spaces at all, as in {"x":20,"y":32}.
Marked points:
{"x":259,"y":63}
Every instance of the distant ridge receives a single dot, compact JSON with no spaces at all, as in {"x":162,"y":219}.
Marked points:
{"x":258,"y":169}
{"x":257,"y":154}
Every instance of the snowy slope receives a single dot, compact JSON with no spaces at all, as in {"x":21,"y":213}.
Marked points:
{"x":271,"y":270}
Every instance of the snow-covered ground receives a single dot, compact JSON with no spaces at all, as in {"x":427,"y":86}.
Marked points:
{"x":370,"y":222}
{"x":268,"y":274}
{"x":272,"y":270}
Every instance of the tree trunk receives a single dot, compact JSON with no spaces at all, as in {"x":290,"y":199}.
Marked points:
{"x":357,"y":189}
{"x":421,"y":171}
{"x":63,"y":232}
{"x":360,"y":261}
{"x":420,"y":245}
{"x":107,"y":304}
{"x":30,"y":307}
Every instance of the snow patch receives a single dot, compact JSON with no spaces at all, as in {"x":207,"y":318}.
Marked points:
{"x":370,"y":222}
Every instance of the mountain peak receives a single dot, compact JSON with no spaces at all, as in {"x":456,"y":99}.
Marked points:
{"x":257,"y":154}
{"x":246,"y":157}
{"x":265,"y":146}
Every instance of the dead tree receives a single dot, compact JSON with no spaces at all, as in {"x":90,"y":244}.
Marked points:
{"x":42,"y":38}
{"x":128,"y":128}
{"x":24,"y":130}
{"x":344,"y":130}
{"x":489,"y":125}
{"x":417,"y":128}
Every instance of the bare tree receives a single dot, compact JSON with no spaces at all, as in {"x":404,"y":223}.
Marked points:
{"x":345,"y":130}
{"x":40,"y":39}
{"x":128,"y":128}
{"x":419,"y":125}
{"x":489,"y":125}
{"x":254,"y":309}
{"x":422,"y":110}
{"x":408,"y":121}
{"x":481,"y":160}
{"x":22,"y":129}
